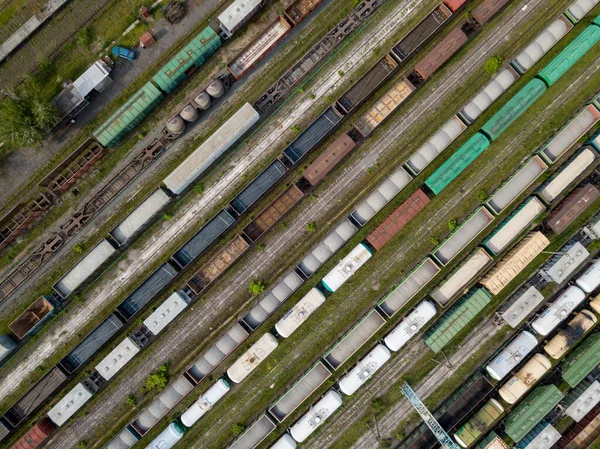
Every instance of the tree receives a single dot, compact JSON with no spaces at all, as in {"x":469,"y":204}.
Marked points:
{"x":256,"y":287}
{"x":158,"y":379}
{"x":493,"y":64}
{"x":311,"y":227}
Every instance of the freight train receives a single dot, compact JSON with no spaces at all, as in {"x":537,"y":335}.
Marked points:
{"x":238,"y":246}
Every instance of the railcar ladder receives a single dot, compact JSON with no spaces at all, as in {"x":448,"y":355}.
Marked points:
{"x":426,"y":415}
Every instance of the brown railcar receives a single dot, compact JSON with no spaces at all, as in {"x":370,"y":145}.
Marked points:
{"x":443,"y":51}
{"x":35,"y":313}
{"x":37,"y":435}
{"x":327,"y":161}
{"x":572,"y":207}
{"x":300,"y":9}
{"x":486,"y":10}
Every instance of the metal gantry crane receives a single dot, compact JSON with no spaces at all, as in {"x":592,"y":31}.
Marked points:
{"x":434,"y":426}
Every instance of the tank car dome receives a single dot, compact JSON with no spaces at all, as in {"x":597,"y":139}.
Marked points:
{"x":175,"y":125}
{"x":189,"y":113}
{"x":203,"y":100}
{"x":215,"y":89}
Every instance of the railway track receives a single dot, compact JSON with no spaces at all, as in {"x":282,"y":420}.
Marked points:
{"x":114,"y":397}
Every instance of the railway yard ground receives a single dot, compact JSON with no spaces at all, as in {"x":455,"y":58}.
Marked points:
{"x":433,"y":376}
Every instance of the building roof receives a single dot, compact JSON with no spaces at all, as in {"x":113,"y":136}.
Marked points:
{"x":94,"y":76}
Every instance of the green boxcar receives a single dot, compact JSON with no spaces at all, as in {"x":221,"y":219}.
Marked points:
{"x":192,"y":55}
{"x":457,"y":163}
{"x":579,"y":364}
{"x":479,"y":423}
{"x":571,"y":54}
{"x":512,"y":110}
{"x":531,"y":411}
{"x":457,"y":317}
{"x":129,"y":115}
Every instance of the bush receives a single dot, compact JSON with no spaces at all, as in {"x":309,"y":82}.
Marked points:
{"x":311,"y":227}
{"x":340,"y":73}
{"x":452,"y":224}
{"x":261,"y":247}
{"x":435,"y":241}
{"x":131,"y":400}
{"x":295,"y":128}
{"x":313,"y":96}
{"x":81,"y":445}
{"x":238,"y":429}
{"x":256,"y":287}
{"x":199,"y":188}
{"x":85,"y":37}
{"x":482,"y":195}
{"x":283,"y":226}
{"x":78,"y":249}
{"x":493,"y":64}
{"x":167,"y":216}
{"x":157,"y":380}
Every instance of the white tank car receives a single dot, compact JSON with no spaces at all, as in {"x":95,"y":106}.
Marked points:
{"x":285,"y":442}
{"x":364,"y":370}
{"x":253,"y":357}
{"x":412,"y":324}
{"x":168,"y":437}
{"x":346,"y":268}
{"x":590,"y":279}
{"x":558,"y":311}
{"x":300,"y":313}
{"x":512,"y":355}
{"x":317,"y":414}
{"x":205,"y":402}
{"x":524,"y":378}
{"x":565,"y":338}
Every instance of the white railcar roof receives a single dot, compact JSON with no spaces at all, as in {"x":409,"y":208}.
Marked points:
{"x":118,"y":358}
{"x":69,"y":404}
{"x":522,"y":307}
{"x":253,"y":357}
{"x":298,"y":314}
{"x":346,"y":267}
{"x":410,"y":325}
{"x":364,"y":370}
{"x":140,"y":216}
{"x":585,"y":403}
{"x":558,"y":311}
{"x":318,"y":413}
{"x":166,"y":312}
{"x":436,"y":144}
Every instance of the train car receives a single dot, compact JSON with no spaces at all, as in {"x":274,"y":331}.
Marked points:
{"x":543,"y":436}
{"x":511,"y":355}
{"x":364,"y":370}
{"x":558,"y":311}
{"x":236,"y":15}
{"x":542,"y":44}
{"x":486,"y":10}
{"x":36,"y":435}
{"x":443,"y":51}
{"x":567,"y":337}
{"x":211,"y":149}
{"x":70,"y":403}
{"x":329,"y":159}
{"x":475,"y":427}
{"x":298,"y":314}
{"x":524,"y":303}
{"x":168,"y":437}
{"x":213,"y":395}
{"x":300,"y":10}
{"x":572,"y":207}
{"x":118,"y":358}
{"x":560,"y":267}
{"x":166,"y":312}
{"x":522,"y":381}
{"x":579,"y":9}
{"x":590,"y":279}
{"x":582,"y":361}
{"x":579,"y":403}
{"x":16,"y":220}
{"x":253,"y":357}
{"x":253,"y":435}
{"x":346,"y":268}
{"x":410,"y":326}
{"x":316,"y":416}
{"x":285,"y":442}
{"x":258,"y":187}
{"x":36,"y":313}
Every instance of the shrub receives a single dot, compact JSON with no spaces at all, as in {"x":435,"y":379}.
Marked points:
{"x":313,"y":96}
{"x":435,"y":241}
{"x":283,"y":226}
{"x":81,"y":445}
{"x":238,"y":429}
{"x":78,"y":249}
{"x":452,"y":224}
{"x":85,"y":37}
{"x":157,"y":380}
{"x":167,"y":216}
{"x":340,"y":72}
{"x":256,"y":287}
{"x":311,"y":227}
{"x":493,"y":64}
{"x":261,"y":247}
{"x":482,"y":195}
{"x":199,"y":188}
{"x":295,"y":128}
{"x":131,"y":400}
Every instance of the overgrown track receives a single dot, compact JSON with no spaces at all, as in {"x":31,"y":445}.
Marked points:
{"x":193,"y":325}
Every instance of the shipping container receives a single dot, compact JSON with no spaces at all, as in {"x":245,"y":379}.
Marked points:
{"x":486,"y":10}
{"x":456,"y":319}
{"x":579,"y":9}
{"x":513,"y":109}
{"x":217,"y":264}
{"x":512,"y":355}
{"x":253,"y":357}
{"x":570,"y":134}
{"x":386,"y":105}
{"x":412,"y":284}
{"x":209,"y":233}
{"x":590,"y":279}
{"x":312,"y":136}
{"x":36,"y":435}
{"x":488,"y":95}
{"x":558,"y":311}
{"x":512,"y":188}
{"x":241,"y":64}
{"x":257,"y":432}
{"x":91,"y":344}
{"x":236,"y":15}
{"x":384,"y":193}
{"x":300,"y":9}
{"x":354,"y":339}
{"x":327,"y":248}
{"x":435,"y":145}
{"x":456,"y":163}
{"x":118,"y":358}
{"x":523,"y":305}
{"x":298,"y":314}
{"x":135,"y":109}
{"x":582,"y":361}
{"x":346,"y":268}
{"x":584,"y":401}
{"x":410,"y":326}
{"x":525,"y":378}
{"x":211,"y":149}
{"x":316,"y":416}
{"x":272,"y":300}
{"x":542,"y":44}
{"x":148,"y":290}
{"x":76,"y":398}
{"x":461,"y":277}
{"x":422,"y":32}
{"x":36,"y":395}
{"x":31,"y":317}
{"x":367,"y":84}
{"x":572,"y":207}
{"x":571,"y":54}
{"x":140,"y":216}
{"x":205,"y":402}
{"x":301,"y":390}
{"x":568,"y":174}
{"x":514,"y":225}
{"x":364,"y":370}
{"x":562,"y":266}
{"x":531,"y":411}
{"x":441,"y":53}
{"x":396,"y":221}
{"x":213,"y":356}
{"x":479,"y":423}
{"x":462,"y":236}
{"x":567,"y":337}
{"x":514,"y":262}
{"x":85,"y":268}
{"x":258,"y":187}
{"x":329,"y":159}
{"x":274,"y":212}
